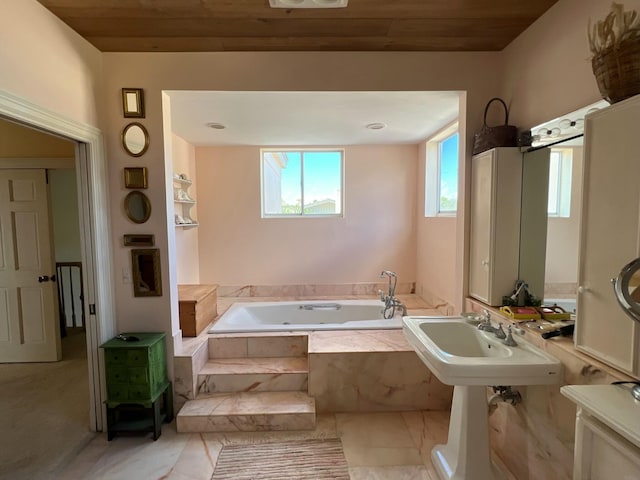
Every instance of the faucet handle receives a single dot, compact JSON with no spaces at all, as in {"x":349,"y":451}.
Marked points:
{"x":487,"y":314}
{"x":500,"y":332}
{"x":510,"y":341}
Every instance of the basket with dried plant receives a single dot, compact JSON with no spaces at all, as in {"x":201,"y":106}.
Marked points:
{"x":615,"y":44}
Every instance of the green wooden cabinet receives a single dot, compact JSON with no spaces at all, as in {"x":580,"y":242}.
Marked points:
{"x":136,"y":371}
{"x":138,"y":391}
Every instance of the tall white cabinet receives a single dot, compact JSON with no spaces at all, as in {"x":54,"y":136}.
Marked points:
{"x":496,"y":185}
{"x":609,"y":233}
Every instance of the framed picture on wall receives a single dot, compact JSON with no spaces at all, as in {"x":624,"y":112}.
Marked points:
{"x":135,"y":177}
{"x":133,"y":102}
{"x":138,"y":240}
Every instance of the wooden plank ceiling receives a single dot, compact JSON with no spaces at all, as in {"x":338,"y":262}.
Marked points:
{"x":251,"y":25}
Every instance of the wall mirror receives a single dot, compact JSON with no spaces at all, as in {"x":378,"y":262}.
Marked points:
{"x":553,"y":167}
{"x":137,"y":206}
{"x":147,"y":280}
{"x":135,"y":139}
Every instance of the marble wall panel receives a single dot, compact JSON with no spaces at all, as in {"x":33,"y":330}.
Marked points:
{"x":308,"y":290}
{"x":374,"y":382}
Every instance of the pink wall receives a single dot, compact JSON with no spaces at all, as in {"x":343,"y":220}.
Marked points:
{"x":187,"y":266}
{"x":377,"y":232}
{"x":436,"y":249}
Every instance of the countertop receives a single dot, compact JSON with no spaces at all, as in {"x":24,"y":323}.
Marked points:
{"x":613,"y":405}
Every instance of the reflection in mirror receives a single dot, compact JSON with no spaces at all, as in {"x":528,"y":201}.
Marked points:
{"x":562,"y":186}
{"x":626,"y":286}
{"x":137,"y":206}
{"x":135,"y":139}
{"x":147,"y":280}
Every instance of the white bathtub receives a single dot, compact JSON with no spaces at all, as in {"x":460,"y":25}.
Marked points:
{"x":304,"y":316}
{"x":569,"y":304}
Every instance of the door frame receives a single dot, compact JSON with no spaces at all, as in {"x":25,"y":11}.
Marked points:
{"x":95,"y":232}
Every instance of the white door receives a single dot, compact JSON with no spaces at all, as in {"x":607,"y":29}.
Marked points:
{"x":29,"y":327}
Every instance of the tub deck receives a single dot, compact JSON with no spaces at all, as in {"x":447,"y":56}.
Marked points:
{"x":333,"y":341}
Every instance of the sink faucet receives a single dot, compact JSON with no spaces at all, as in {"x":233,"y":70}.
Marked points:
{"x":486,"y":326}
{"x":506,"y":337}
{"x":391,"y":303}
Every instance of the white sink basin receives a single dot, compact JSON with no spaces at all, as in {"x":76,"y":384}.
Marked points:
{"x":460,"y":354}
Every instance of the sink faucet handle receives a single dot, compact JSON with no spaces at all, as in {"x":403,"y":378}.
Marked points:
{"x":487,"y":314}
{"x":500,"y":333}
{"x":509,"y":341}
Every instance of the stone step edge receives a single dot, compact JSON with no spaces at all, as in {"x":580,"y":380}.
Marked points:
{"x":255,"y":366}
{"x":295,"y":399}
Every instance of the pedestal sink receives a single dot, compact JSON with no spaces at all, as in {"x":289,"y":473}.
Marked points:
{"x":469,"y":359}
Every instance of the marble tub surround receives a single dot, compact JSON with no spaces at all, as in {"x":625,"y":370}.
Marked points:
{"x":377,"y":446}
{"x":371,"y":371}
{"x":375,"y":381}
{"x":309,"y":290}
{"x":193,"y":352}
{"x":536,"y":438}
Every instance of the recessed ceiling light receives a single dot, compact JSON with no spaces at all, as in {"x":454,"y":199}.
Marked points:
{"x":216,"y":126}
{"x":376,"y":126}
{"x":308,"y":3}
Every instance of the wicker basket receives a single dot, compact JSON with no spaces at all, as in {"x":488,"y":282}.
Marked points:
{"x":617,"y":71}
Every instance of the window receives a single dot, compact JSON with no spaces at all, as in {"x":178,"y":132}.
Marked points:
{"x":441,"y":181}
{"x":301,"y":183}
{"x":560,"y":166}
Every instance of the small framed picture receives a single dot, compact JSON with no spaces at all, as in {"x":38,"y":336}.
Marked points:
{"x":138,"y":240}
{"x":133,"y":102}
{"x":135,"y":177}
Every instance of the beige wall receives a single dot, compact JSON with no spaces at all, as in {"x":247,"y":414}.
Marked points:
{"x":475,"y":73}
{"x":64,"y":211}
{"x":548,"y":74}
{"x":436,"y":247}
{"x":47,"y":63}
{"x":187,"y":262}
{"x":57,"y":70}
{"x":548,"y":67}
{"x":17,"y":141}
{"x":376,"y":233}
{"x":563,"y":232}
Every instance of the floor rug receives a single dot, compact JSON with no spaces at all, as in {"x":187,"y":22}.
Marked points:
{"x":307,"y":459}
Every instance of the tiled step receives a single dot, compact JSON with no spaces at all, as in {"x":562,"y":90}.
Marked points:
{"x":247,"y":412}
{"x":242,"y":345}
{"x":254,"y":374}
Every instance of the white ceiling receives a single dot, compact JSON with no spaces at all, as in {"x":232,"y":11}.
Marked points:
{"x":309,"y":118}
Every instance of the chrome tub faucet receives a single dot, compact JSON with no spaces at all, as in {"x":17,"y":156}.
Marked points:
{"x":391,"y":303}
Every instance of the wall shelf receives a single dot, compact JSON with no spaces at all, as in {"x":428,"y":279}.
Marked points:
{"x":183,"y":201}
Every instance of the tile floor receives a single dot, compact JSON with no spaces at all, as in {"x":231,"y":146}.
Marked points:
{"x":377,"y":446}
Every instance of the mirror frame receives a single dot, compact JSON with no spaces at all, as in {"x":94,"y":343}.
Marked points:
{"x":136,"y":254}
{"x":124,"y":139}
{"x":147,"y":205}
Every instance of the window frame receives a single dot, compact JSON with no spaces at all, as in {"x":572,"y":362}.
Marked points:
{"x":302,"y":151}
{"x":564,"y":182}
{"x":433,"y":172}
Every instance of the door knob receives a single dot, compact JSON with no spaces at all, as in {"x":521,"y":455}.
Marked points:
{"x":46,"y":278}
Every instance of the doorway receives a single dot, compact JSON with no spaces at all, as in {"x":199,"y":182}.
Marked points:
{"x":92,"y":187}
